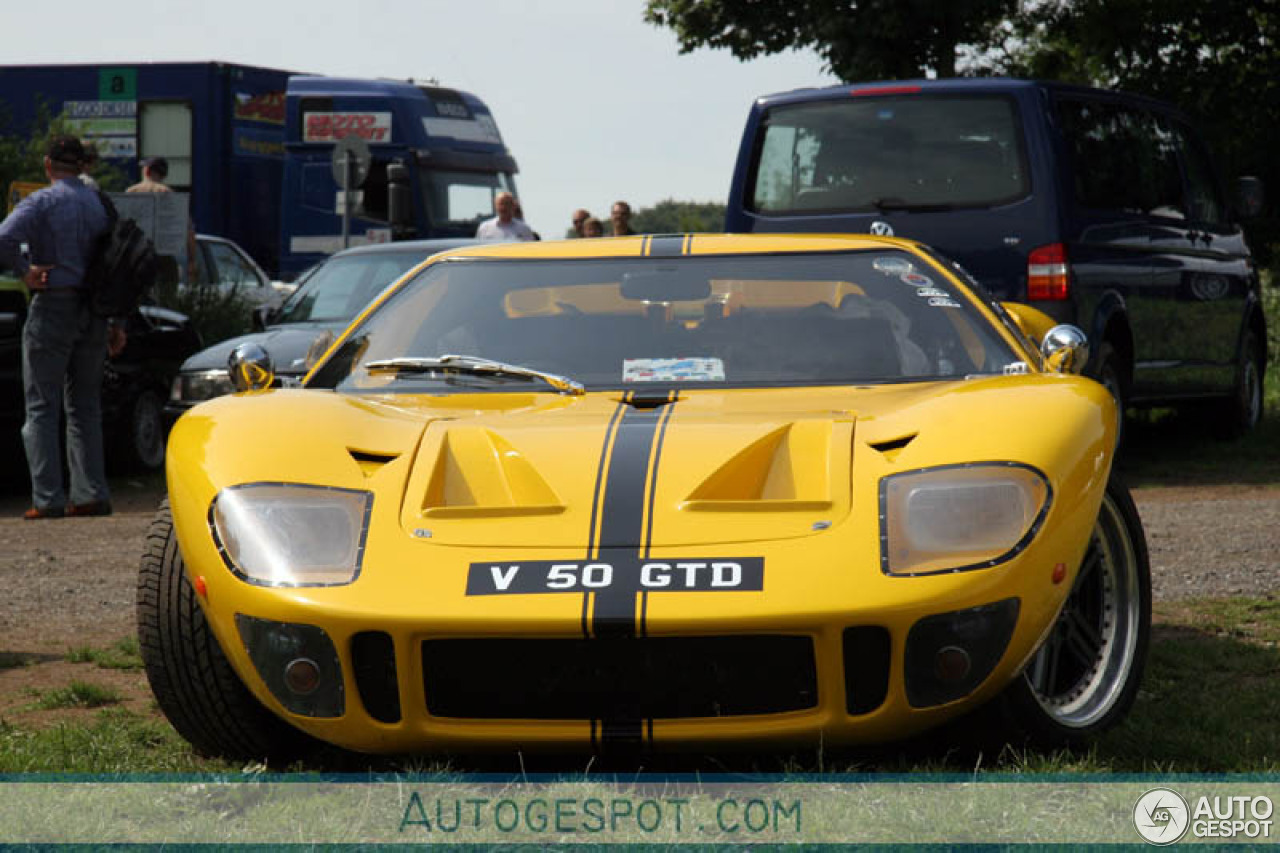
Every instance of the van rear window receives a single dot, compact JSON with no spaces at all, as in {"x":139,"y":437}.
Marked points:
{"x":877,"y":153}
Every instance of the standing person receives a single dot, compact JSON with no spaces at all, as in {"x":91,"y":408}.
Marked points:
{"x":87,"y":167}
{"x":580,"y":218}
{"x":64,"y":346}
{"x":154,"y":172}
{"x":592,"y":227}
{"x":504,"y":227}
{"x":620,"y":215}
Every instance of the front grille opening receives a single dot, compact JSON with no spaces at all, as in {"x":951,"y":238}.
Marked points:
{"x":619,"y":678}
{"x":867,"y":652}
{"x":373,"y":656}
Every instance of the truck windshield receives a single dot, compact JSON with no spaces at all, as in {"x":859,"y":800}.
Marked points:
{"x":889,"y":153}
{"x":462,"y":199}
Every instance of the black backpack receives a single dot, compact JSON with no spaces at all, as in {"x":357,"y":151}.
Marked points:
{"x":123,"y":267}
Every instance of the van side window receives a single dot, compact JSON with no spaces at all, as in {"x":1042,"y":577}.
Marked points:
{"x":1122,"y":160}
{"x":889,"y":152}
{"x":1204,"y":202}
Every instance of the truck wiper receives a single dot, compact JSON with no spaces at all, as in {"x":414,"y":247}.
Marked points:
{"x":475,"y":366}
{"x":893,"y":203}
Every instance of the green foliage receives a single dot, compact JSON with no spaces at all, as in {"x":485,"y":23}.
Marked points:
{"x":861,"y":40}
{"x":1271,"y":308}
{"x":217,"y":313}
{"x":78,"y":694}
{"x":679,"y":217}
{"x":22,"y":150}
{"x":123,"y":654}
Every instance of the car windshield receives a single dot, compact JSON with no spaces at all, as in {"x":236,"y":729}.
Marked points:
{"x":341,"y":286}
{"x":728,"y":321}
{"x":913,"y":152}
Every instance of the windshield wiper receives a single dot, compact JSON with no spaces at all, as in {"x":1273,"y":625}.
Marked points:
{"x":893,"y":203}
{"x":476,"y":366}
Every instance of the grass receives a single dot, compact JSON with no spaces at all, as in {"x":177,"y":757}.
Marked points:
{"x":123,"y":654}
{"x":78,"y":694}
{"x":1201,"y":651}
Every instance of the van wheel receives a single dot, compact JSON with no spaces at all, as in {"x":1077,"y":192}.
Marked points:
{"x":1085,"y":677}
{"x":1243,"y":412}
{"x":1109,"y":374}
{"x":193,"y":683}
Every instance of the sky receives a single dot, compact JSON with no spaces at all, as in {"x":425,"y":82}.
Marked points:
{"x":594,"y":104}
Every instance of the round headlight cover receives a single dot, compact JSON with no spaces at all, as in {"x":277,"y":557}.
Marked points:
{"x":959,"y":517}
{"x":287,"y":534}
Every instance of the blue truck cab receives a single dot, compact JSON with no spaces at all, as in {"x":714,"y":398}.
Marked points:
{"x":446,"y":143}
{"x":1100,"y":208}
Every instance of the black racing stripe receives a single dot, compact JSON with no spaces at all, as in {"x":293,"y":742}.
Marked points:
{"x":599,"y":489}
{"x":595,"y":504}
{"x":666,"y":246}
{"x":653,"y":491}
{"x":688,"y":244}
{"x":622,"y":519}
{"x":622,"y":733}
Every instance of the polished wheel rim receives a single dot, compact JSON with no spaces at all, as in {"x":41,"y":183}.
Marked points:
{"x":1081,"y":670}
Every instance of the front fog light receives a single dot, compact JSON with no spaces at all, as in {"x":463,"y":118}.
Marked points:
{"x":298,"y":663}
{"x":959,"y":517}
{"x":279,"y":534}
{"x":949,"y":655}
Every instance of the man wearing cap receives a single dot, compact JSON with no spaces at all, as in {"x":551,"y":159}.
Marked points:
{"x":64,"y":346}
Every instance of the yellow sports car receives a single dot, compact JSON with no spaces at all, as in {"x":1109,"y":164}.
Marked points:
{"x":654,"y":492}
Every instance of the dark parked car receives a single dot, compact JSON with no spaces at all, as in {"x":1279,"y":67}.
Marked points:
{"x":133,"y":387}
{"x":1100,"y":208}
{"x":300,"y":330}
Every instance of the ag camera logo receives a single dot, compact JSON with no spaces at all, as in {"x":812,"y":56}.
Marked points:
{"x":1161,"y":816}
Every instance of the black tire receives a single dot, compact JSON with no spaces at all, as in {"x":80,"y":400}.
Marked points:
{"x":145,"y":432}
{"x":1243,"y":412}
{"x":1109,"y":372}
{"x":193,"y":683}
{"x":1086,"y":676}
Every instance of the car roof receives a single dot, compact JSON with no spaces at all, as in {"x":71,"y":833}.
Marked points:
{"x":673,"y":245}
{"x":420,"y":247}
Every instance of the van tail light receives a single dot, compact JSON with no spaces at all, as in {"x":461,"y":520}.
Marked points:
{"x":1047,"y":274}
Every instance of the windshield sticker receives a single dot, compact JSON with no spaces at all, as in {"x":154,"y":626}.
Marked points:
{"x":943,"y":302}
{"x":932,"y":291}
{"x":916,"y":280}
{"x":1017,"y":368}
{"x":672,"y":370}
{"x":892,"y":266}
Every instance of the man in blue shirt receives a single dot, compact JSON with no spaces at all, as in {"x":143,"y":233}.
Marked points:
{"x":64,"y":345}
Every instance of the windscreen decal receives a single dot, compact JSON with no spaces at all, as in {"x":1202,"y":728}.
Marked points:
{"x":892,"y":266}
{"x":695,"y":369}
{"x":915,"y":279}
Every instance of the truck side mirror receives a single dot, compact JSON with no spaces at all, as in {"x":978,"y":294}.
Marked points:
{"x":400,"y":201}
{"x":1249,"y":197}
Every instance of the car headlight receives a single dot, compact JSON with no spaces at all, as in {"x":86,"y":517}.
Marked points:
{"x":281,"y":534}
{"x":196,"y":387}
{"x":959,"y":517}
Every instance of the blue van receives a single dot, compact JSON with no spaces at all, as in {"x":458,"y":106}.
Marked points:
{"x":1100,"y":208}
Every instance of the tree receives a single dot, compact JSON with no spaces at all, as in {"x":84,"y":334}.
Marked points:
{"x":859,"y":39}
{"x":22,"y":151}
{"x":679,"y":217}
{"x":1219,"y":62}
